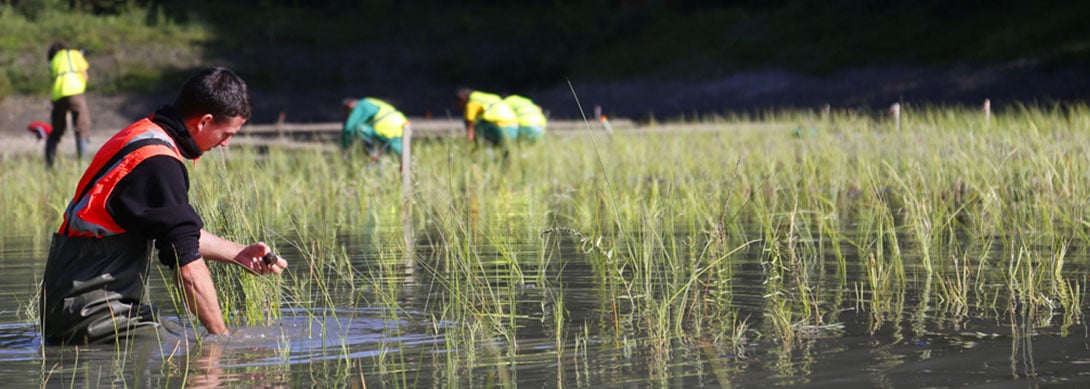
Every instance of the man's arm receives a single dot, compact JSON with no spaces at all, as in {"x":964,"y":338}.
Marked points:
{"x":356,"y":124}
{"x":196,"y":284}
{"x":470,"y":130}
{"x":199,"y":291}
{"x":346,"y":136}
{"x":152,"y":201}
{"x":472,"y":112}
{"x":83,"y":66}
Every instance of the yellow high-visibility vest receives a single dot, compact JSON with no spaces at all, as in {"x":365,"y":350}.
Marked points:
{"x":528,"y":113}
{"x":388,"y":122}
{"x":67,"y":68}
{"x":489,"y":107}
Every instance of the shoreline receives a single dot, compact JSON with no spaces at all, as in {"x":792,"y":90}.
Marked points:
{"x":866,"y":90}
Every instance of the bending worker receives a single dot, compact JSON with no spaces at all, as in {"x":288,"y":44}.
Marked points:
{"x":530,"y":118}
{"x":69,"y":71}
{"x":133,"y":196}
{"x":374,"y":122}
{"x":488,"y":114}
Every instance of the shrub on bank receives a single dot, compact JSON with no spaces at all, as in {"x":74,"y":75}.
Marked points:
{"x":124,"y":45}
{"x":5,"y":86}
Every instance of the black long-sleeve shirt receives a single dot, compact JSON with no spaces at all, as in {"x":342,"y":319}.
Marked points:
{"x":153,"y":200}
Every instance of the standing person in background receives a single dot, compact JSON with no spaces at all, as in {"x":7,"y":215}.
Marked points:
{"x":488,"y":114}
{"x":69,"y":71}
{"x":134,"y":196}
{"x":530,"y":117}
{"x":374,"y":122}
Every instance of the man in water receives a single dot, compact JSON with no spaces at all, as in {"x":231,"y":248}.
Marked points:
{"x":376,"y":123}
{"x":488,"y":114}
{"x":135,"y":195}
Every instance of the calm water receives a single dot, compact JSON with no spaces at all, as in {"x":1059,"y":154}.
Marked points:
{"x":915,"y":343}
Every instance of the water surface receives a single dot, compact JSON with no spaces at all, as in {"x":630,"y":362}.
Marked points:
{"x":403,"y":336}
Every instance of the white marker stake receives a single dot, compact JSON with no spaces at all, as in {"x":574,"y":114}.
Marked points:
{"x":987,"y":111}
{"x":407,"y":197}
{"x":895,"y":110}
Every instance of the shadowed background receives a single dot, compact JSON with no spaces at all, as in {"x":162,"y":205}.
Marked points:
{"x":634,"y":58}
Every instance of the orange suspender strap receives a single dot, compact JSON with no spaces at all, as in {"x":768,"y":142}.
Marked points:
{"x":74,"y":209}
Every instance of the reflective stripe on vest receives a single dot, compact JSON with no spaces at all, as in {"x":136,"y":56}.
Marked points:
{"x":86,"y":214}
{"x":70,"y":69}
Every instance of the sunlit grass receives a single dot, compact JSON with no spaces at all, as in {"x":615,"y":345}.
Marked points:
{"x":948,"y":219}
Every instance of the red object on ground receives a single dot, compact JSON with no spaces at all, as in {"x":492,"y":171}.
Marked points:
{"x":39,"y":129}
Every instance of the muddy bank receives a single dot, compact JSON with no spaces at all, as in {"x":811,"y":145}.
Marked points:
{"x":867,"y":89}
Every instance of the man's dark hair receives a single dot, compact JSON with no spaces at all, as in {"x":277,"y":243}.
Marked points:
{"x":54,"y":49}
{"x":217,"y":91}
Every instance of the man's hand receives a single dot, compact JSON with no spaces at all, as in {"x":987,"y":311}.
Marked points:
{"x":252,"y":258}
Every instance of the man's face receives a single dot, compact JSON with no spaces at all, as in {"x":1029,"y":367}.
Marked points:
{"x":212,"y":133}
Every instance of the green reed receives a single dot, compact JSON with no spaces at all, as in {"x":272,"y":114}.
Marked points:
{"x":965,"y":217}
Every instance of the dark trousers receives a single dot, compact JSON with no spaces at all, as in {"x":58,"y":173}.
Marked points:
{"x":81,"y":117}
{"x":92,"y":289}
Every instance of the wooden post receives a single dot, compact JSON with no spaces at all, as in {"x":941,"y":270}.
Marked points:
{"x":280,"y":124}
{"x":987,"y":111}
{"x":895,"y":110}
{"x":407,"y":197}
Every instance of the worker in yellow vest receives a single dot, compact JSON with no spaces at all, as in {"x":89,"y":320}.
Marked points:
{"x":374,"y":122}
{"x":68,"y":68}
{"x":487,"y":114}
{"x":530,"y":117}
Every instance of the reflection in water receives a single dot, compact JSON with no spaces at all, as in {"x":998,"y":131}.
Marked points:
{"x":208,"y":373}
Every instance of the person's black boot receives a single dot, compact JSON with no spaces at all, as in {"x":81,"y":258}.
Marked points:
{"x":50,"y":151}
{"x":81,"y":147}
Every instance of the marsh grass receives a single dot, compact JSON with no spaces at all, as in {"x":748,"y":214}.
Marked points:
{"x":949,"y":219}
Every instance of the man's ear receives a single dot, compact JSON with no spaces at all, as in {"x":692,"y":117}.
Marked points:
{"x":196,"y":124}
{"x":204,"y":121}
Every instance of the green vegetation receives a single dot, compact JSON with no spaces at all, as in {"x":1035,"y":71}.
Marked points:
{"x":952,"y":218}
{"x":132,"y":51}
{"x":141,"y":46}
